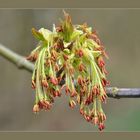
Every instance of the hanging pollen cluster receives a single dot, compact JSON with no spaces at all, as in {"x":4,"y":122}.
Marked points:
{"x":71,"y":58}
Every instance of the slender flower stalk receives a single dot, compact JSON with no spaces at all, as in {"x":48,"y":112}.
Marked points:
{"x":78,"y":53}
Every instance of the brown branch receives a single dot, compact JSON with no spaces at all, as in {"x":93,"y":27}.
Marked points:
{"x":22,"y":63}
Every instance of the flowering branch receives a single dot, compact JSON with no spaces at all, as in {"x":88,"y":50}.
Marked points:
{"x":70,"y":56}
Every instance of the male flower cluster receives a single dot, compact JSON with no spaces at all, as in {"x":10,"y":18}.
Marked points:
{"x":70,"y":57}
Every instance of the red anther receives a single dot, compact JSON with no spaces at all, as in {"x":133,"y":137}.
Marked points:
{"x":36,"y":108}
{"x":88,"y":118}
{"x":59,"y":29}
{"x":33,"y":84}
{"x":62,"y":87}
{"x":101,"y":62}
{"x":32,"y":57}
{"x":71,"y":70}
{"x":80,"y":81}
{"x":57,"y":93}
{"x":65,"y":57}
{"x":104,"y":70}
{"x":81,"y":111}
{"x":78,"y":99}
{"x":67,"y":90}
{"x":56,"y":67}
{"x":54,"y":54}
{"x":83,"y":90}
{"x":72,"y":103}
{"x":91,"y":98}
{"x":59,"y":79}
{"x":35,"y":56}
{"x":98,"y":41}
{"x":40,"y":105}
{"x":84,"y":27}
{"x":73,"y":93}
{"x":101,"y":126}
{"x":101,"y":48}
{"x":102,"y":116}
{"x":87,"y":81}
{"x":80,"y":53}
{"x":29,"y":57}
{"x":81,"y":67}
{"x":95,"y":120}
{"x":45,"y":83}
{"x":87,"y":101}
{"x":54,"y":94}
{"x":46,"y":104}
{"x":64,"y":65}
{"x":105,"y":82}
{"x":95,"y":90}
{"x":53,"y":59}
{"x":95,"y":38}
{"x":54,"y":80}
{"x":85,"y":116}
{"x":59,"y":44}
{"x":103,"y":97}
{"x":98,"y":89}
{"x":55,"y":46}
{"x":47,"y":63}
{"x":91,"y":114}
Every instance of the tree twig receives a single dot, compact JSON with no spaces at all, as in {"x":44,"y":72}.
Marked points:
{"x":118,"y":93}
{"x":16,"y":59}
{"x":22,"y":63}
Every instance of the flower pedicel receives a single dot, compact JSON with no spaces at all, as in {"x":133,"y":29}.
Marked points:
{"x":70,"y":57}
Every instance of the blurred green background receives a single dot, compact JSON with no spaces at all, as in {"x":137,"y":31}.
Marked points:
{"x":119,"y":30}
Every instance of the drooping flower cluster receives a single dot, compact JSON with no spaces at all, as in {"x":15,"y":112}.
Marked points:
{"x":70,"y":57}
